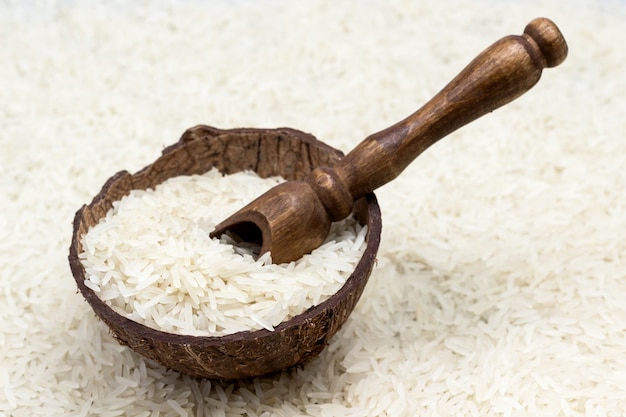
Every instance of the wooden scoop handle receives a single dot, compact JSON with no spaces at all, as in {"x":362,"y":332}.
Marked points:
{"x":501,"y":73}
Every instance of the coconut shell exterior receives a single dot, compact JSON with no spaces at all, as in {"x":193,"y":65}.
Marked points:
{"x":286,"y":152}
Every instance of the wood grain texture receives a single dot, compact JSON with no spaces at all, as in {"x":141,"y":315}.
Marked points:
{"x":501,"y":73}
{"x":293,"y":219}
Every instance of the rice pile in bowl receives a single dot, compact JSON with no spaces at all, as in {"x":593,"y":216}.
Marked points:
{"x":151,"y":260}
{"x":141,"y":257}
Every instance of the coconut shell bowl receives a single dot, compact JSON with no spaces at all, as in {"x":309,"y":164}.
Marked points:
{"x":285,"y":152}
{"x":322,"y":184}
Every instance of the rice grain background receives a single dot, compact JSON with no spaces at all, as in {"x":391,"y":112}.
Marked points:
{"x":501,"y":278}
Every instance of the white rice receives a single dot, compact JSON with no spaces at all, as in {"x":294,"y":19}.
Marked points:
{"x":501,"y":276}
{"x":152,"y":260}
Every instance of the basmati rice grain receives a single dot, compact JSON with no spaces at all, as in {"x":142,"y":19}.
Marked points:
{"x":534,"y":192}
{"x":199,"y":274}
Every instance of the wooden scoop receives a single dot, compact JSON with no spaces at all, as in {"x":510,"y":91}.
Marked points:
{"x":293,"y":218}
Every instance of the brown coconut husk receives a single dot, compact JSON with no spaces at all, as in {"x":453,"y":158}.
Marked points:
{"x":286,"y":152}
